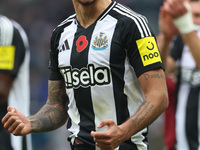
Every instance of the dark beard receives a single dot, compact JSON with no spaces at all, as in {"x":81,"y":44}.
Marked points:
{"x":87,"y":3}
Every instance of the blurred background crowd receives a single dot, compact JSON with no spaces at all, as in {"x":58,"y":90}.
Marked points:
{"x":39,"y":18}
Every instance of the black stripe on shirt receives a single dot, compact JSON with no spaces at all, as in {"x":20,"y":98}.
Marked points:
{"x":117,"y":71}
{"x":192,"y":119}
{"x":82,"y":95}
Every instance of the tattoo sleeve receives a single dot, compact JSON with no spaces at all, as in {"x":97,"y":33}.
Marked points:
{"x":143,"y":113}
{"x":53,"y":114}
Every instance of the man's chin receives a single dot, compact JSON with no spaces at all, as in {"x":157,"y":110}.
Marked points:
{"x":86,"y":3}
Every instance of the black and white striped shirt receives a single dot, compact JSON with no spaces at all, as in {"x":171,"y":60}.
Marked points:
{"x":100,"y":66}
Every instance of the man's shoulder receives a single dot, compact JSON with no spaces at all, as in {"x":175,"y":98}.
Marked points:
{"x":7,"y":30}
{"x":4,"y":18}
{"x":6,"y":23}
{"x":126,"y":14}
{"x":9,"y":26}
{"x":66,"y":22}
{"x":60,"y":28}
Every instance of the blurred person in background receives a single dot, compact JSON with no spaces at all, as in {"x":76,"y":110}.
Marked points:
{"x":181,"y":54}
{"x":14,"y":79}
{"x":167,"y":32}
{"x":106,"y":74}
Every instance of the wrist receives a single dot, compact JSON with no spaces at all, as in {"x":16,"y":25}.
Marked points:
{"x":31,"y":125}
{"x":185,"y":23}
{"x":125,"y":128}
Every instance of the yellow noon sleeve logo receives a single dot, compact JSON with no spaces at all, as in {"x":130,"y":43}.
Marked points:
{"x":7,"y":57}
{"x":148,"y":50}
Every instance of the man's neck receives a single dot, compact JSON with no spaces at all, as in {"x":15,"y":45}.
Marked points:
{"x":87,"y":15}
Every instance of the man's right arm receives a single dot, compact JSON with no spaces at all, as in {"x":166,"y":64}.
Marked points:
{"x":50,"y":117}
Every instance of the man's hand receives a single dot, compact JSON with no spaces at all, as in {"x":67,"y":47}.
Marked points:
{"x":16,"y":123}
{"x":166,"y":25}
{"x":176,"y":8}
{"x":110,"y":139}
{"x":180,"y":11}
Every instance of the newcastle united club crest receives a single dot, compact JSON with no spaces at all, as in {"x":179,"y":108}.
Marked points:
{"x":100,"y":42}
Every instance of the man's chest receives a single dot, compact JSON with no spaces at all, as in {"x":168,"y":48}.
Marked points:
{"x":84,"y":56}
{"x":80,"y":47}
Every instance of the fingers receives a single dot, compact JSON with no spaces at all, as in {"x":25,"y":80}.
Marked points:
{"x":104,"y":143}
{"x":107,"y":122}
{"x":12,"y":122}
{"x":18,"y":129}
{"x":103,"y":134}
{"x":10,"y":109}
{"x":104,"y":139}
{"x":168,"y":6}
{"x":12,"y":126}
{"x":11,"y":112}
{"x":100,"y":135}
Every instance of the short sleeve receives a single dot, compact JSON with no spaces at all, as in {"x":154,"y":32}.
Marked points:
{"x":12,"y":47}
{"x":54,"y":73}
{"x":141,"y":46}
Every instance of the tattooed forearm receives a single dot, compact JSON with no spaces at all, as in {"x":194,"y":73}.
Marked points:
{"x":53,"y":114}
{"x":57,"y":92}
{"x":151,"y":76}
{"x":143,"y":113}
{"x":48,"y":118}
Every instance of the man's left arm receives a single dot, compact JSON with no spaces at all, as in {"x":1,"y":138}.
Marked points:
{"x":156,"y":101}
{"x":182,"y":17}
